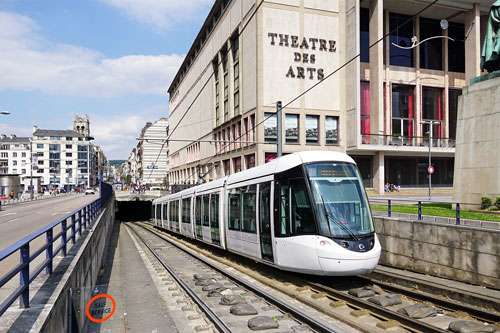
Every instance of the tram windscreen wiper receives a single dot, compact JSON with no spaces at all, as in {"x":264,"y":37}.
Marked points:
{"x":330,"y":217}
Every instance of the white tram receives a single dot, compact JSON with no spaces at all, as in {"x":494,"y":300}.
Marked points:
{"x":305,"y":212}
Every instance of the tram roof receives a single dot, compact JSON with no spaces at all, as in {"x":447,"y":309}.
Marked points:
{"x":275,"y":166}
{"x":288,"y":162}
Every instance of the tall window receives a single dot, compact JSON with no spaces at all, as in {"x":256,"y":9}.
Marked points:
{"x":292,"y":128}
{"x":402,"y":37}
{"x":452,"y":119}
{"x":226,"y":84}
{"x":456,"y":48}
{"x":364,"y":34}
{"x":270,"y":127}
{"x":365,"y":109}
{"x":431,"y":51}
{"x":331,"y":130}
{"x":432,"y":109}
{"x":227,"y":167}
{"x":217,"y":90}
{"x":237,"y":164}
{"x":235,"y":47}
{"x":402,"y":110}
{"x":250,"y":159}
{"x":312,"y":129}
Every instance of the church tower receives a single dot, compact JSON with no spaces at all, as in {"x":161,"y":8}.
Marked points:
{"x":82,"y":125}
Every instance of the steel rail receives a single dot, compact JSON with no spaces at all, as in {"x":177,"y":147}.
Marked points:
{"x":409,"y":323}
{"x":204,"y":307}
{"x":473,"y":311}
{"x":294,"y":311}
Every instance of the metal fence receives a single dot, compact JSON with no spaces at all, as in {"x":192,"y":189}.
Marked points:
{"x":76,"y":221}
{"x":391,"y":205}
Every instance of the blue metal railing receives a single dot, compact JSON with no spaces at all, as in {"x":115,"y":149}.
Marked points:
{"x":420,"y":205}
{"x":81,"y":218}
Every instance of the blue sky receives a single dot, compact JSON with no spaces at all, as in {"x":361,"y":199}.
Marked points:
{"x":111,"y":59}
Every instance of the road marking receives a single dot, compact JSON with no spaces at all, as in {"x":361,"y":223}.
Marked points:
{"x":13,"y":220}
{"x":8,"y":214}
{"x":54,"y":214}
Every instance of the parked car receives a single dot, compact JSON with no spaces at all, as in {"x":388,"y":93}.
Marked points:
{"x":89,"y":191}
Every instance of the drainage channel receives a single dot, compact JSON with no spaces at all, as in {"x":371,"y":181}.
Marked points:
{"x":197,"y":276}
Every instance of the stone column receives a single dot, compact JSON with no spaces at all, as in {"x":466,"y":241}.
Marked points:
{"x":472,"y":43}
{"x":379,"y":172}
{"x":446,"y":104}
{"x":376,"y":68}
{"x":417,"y":104}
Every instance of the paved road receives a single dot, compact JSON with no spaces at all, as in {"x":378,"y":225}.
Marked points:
{"x":22,"y":219}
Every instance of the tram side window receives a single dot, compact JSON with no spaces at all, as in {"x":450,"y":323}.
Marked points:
{"x":164,"y":216}
{"x":234,"y":209}
{"x":249,"y":204}
{"x":198,"y":214}
{"x":214,"y":209}
{"x":206,"y":221}
{"x":265,"y":208}
{"x":153,"y":207}
{"x":295,"y":216}
{"x":171,"y":212}
{"x":186,"y":211}
{"x":158,"y":212}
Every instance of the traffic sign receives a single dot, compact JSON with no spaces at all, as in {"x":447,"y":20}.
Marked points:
{"x":430,"y":170}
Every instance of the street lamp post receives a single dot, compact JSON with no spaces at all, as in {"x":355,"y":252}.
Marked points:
{"x":430,"y":123}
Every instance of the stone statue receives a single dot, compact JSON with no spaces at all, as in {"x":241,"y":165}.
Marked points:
{"x":490,"y":56}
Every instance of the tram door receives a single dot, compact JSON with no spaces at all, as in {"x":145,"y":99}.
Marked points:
{"x":266,"y":243}
{"x":214,"y":219}
{"x":198,"y":217}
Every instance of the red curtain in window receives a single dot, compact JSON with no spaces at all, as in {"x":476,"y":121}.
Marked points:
{"x":410,"y":111}
{"x":365,"y":107}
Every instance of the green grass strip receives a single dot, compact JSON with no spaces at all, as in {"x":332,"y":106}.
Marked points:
{"x":440,"y":209}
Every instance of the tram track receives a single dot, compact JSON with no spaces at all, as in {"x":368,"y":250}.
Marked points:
{"x":289,"y":311}
{"x":333,"y":297}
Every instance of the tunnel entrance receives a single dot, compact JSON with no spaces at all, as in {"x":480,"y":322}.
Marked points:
{"x":133,"y":210}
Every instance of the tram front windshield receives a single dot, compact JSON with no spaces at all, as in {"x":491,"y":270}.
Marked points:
{"x":340,"y":200}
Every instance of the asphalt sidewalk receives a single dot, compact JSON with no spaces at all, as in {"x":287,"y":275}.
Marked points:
{"x":139,"y":306}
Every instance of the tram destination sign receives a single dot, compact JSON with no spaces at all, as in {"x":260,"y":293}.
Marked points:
{"x":304,"y":54}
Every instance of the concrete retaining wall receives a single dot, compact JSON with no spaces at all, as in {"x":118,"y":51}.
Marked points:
{"x":460,"y":253}
{"x":82,"y":272}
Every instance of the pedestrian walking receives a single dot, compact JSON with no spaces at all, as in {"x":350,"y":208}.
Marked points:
{"x":11,"y":194}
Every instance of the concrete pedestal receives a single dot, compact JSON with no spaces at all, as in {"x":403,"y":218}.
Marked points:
{"x":477,"y":157}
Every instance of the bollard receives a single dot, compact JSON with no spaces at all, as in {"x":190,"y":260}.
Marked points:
{"x":419,"y":210}
{"x":458,"y":214}
{"x":389,"y":208}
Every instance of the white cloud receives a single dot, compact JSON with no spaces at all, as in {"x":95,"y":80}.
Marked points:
{"x":162,"y":14}
{"x":117,"y":135}
{"x":31,"y":63}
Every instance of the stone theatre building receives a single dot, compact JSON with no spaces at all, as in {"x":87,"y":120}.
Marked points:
{"x":249,"y":54}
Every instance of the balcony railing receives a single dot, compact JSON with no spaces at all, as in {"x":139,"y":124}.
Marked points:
{"x":406,"y":141}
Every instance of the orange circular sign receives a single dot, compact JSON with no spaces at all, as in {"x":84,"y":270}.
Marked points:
{"x":97,"y":297}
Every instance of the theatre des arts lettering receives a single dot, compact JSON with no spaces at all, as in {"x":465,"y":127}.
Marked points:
{"x":300,"y":50}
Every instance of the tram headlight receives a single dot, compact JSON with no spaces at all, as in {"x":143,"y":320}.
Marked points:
{"x":345,"y":245}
